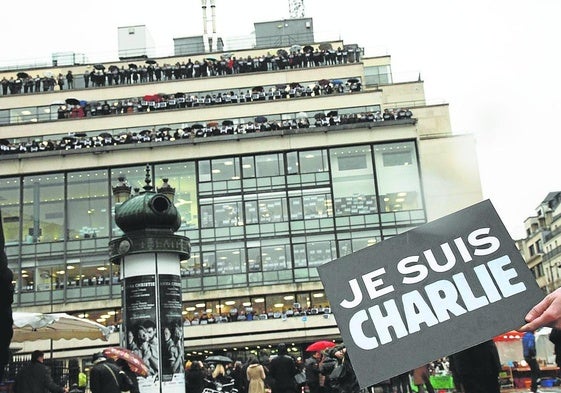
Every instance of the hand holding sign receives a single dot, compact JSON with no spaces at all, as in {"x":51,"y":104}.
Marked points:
{"x":545,"y":313}
{"x":439,"y":288}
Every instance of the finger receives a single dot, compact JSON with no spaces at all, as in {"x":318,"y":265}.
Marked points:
{"x":538,"y":310}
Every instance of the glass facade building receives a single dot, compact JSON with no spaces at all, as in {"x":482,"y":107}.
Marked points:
{"x":263,"y":207}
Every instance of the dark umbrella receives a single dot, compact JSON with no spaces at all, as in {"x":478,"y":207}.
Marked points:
{"x":144,"y":132}
{"x":282,"y":52}
{"x":22,"y":75}
{"x":332,"y":113}
{"x":133,"y":66}
{"x":308,"y":48}
{"x":323,"y":82}
{"x":164,"y":129}
{"x":227,"y":123}
{"x":352,"y":80}
{"x":113,"y":68}
{"x":72,"y":101}
{"x":294,"y":85}
{"x":260,"y":119}
{"x":150,"y":61}
{"x":325,"y":46}
{"x":319,"y":115}
{"x":218,"y":359}
{"x":105,"y":135}
{"x":99,"y":66}
{"x":280,"y":87}
{"x":257,"y":88}
{"x":81,"y":134}
{"x":4,"y":142}
{"x":210,"y":59}
{"x":180,"y":94}
{"x":197,"y":126}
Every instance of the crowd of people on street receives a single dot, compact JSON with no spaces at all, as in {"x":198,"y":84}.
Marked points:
{"x":152,"y":71}
{"x":474,"y":370}
{"x":199,"y":130}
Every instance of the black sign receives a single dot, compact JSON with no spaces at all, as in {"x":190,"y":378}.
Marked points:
{"x":428,"y":293}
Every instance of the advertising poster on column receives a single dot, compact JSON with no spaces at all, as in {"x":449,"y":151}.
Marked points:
{"x":172,"y":373}
{"x":430,"y":292}
{"x":141,"y":326}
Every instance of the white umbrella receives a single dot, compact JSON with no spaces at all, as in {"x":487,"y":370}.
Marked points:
{"x":29,"y":326}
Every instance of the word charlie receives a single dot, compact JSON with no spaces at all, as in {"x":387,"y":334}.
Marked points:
{"x":437,"y":301}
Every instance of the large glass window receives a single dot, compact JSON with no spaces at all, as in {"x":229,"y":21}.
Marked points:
{"x":353,"y":241}
{"x":43,"y":208}
{"x":352,"y":175}
{"x":378,"y":75}
{"x":266,"y":208}
{"x":225,"y":169}
{"x":268,"y":165}
{"x":313,"y":161}
{"x":221,"y":212}
{"x":182,"y":177}
{"x":10,"y":208}
{"x":88,"y":200}
{"x":398,"y":178}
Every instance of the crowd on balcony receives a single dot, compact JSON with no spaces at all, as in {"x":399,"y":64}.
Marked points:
{"x":198,"y":130}
{"x":249,"y":314}
{"x":152,"y":71}
{"x":76,"y":109}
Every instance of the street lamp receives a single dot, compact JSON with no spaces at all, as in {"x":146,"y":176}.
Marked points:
{"x":46,"y":274}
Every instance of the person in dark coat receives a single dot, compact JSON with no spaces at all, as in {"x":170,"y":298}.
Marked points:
{"x":124,"y":366}
{"x":240,"y":379}
{"x":6,"y":300}
{"x":311,"y":365}
{"x":529,"y":350}
{"x":555,"y":338}
{"x":75,"y":389}
{"x":282,"y":370}
{"x":36,"y":377}
{"x":478,"y":368}
{"x":104,"y":375}
{"x":337,"y":367}
{"x":195,"y":378}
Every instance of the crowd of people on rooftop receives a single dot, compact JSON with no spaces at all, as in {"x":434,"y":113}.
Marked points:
{"x":151,"y":71}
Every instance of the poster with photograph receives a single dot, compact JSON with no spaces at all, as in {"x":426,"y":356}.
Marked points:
{"x":171,"y":328}
{"x":140,"y":319}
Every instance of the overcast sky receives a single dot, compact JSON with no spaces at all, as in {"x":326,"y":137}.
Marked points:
{"x":496,"y":63}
